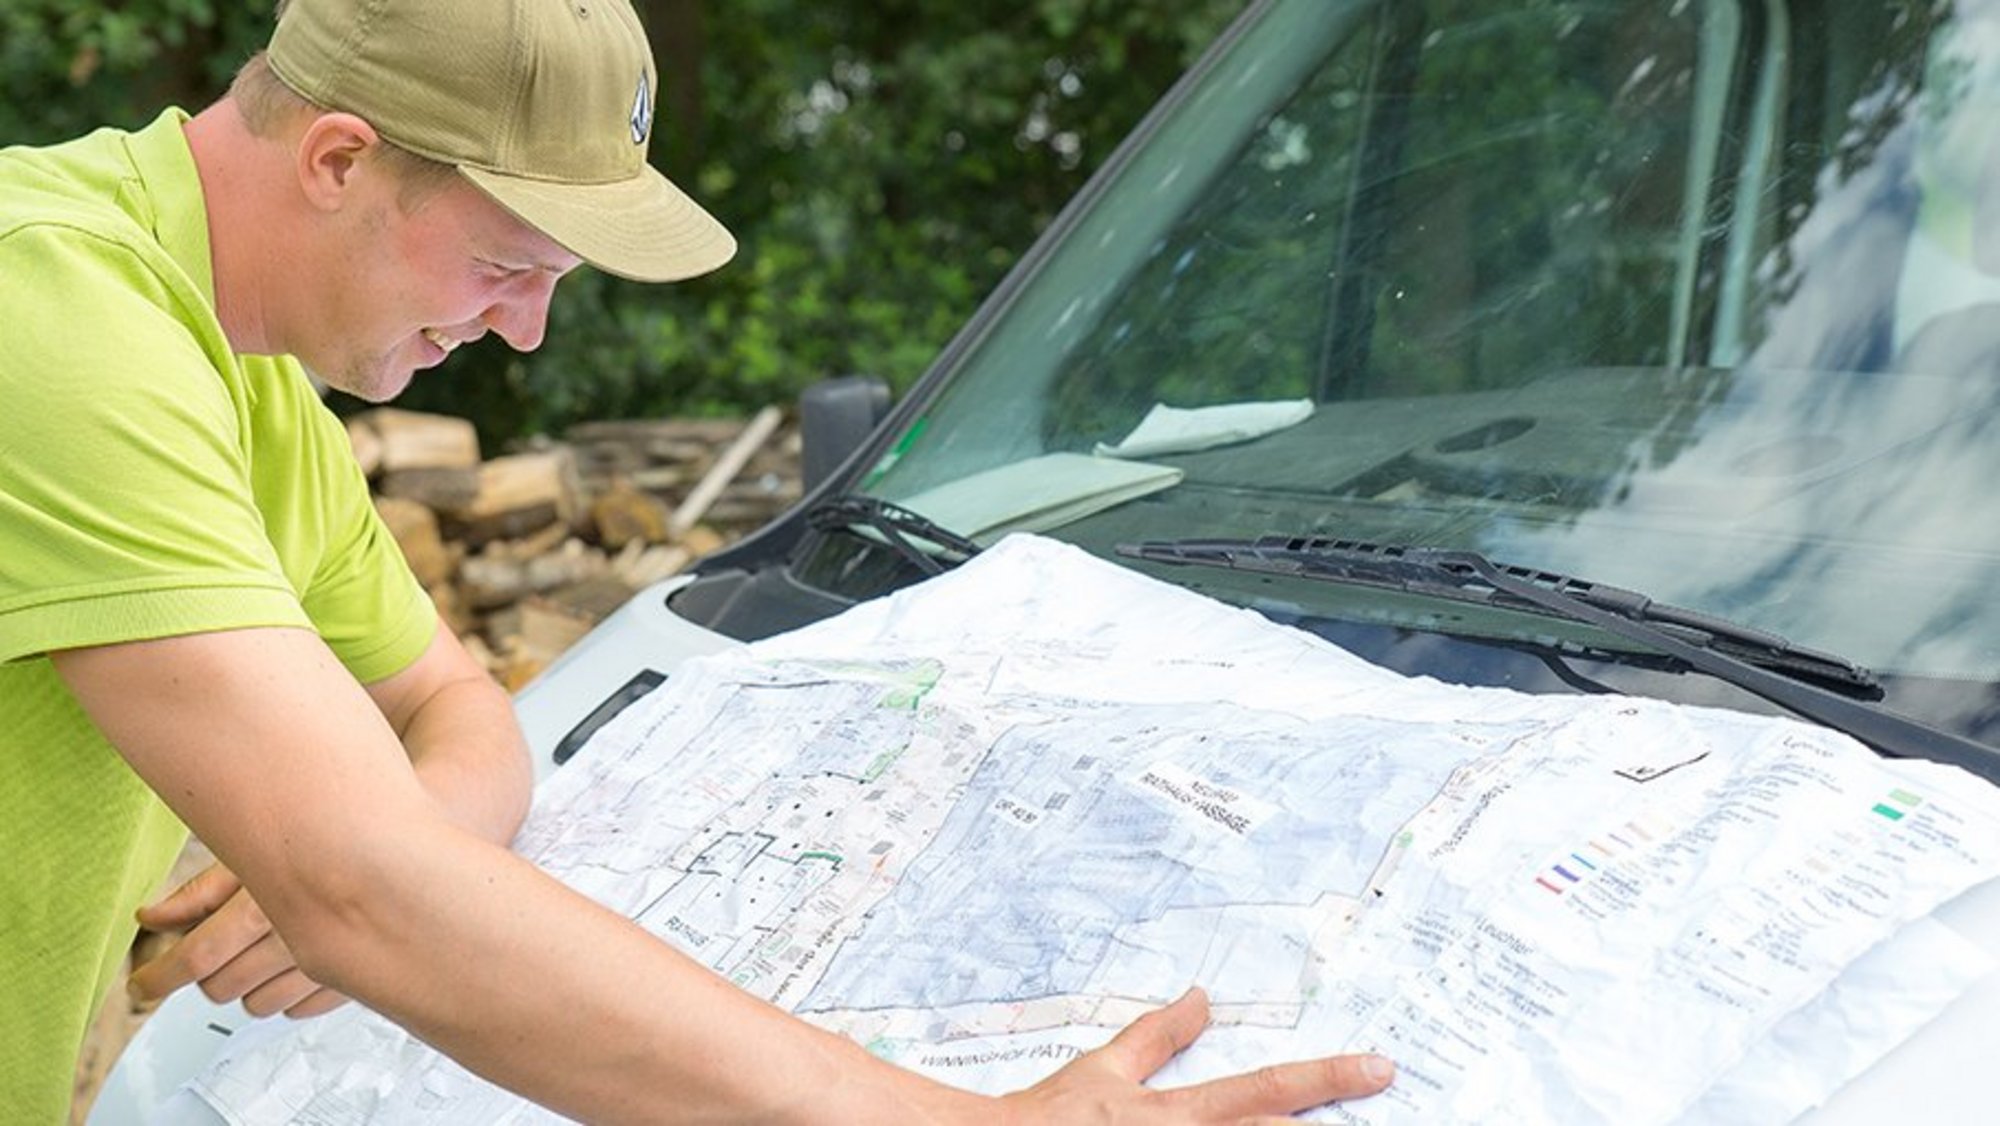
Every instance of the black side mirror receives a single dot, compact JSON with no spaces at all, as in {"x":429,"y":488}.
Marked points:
{"x":835,"y":418}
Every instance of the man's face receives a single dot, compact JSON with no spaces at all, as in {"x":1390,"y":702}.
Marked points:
{"x":415,"y":284}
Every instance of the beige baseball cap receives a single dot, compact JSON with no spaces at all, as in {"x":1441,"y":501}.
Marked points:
{"x":545,"y":105}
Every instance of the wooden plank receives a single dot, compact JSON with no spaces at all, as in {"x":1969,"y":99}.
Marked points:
{"x":725,"y":470}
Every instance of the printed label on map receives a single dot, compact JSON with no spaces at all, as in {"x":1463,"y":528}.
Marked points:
{"x":1013,"y":811}
{"x":1209,"y":803}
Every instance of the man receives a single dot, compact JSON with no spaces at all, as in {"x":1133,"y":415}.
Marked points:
{"x":203,"y":622}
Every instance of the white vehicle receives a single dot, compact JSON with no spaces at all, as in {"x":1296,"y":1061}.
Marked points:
{"x":1534,"y":304}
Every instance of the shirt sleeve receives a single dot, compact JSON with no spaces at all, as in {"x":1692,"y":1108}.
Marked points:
{"x":126,"y":503}
{"x":362,"y":596}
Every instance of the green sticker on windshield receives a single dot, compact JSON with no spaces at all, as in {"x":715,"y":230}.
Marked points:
{"x":895,"y":453}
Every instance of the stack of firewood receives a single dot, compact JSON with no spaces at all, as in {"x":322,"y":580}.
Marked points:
{"x":524,"y":552}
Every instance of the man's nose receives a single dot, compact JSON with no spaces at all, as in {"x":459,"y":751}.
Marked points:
{"x":522,"y":317}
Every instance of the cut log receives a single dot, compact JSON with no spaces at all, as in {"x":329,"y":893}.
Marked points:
{"x":440,"y":488}
{"x":367,"y":447}
{"x":450,"y":604}
{"x":528,"y":547}
{"x":650,"y":433}
{"x":592,"y":600}
{"x":415,"y":440}
{"x":481,"y":652}
{"x":519,"y":494}
{"x":662,"y":479}
{"x":544,"y":630}
{"x":640,"y":565}
{"x":415,"y":529}
{"x":702,"y":540}
{"x":548,"y":628}
{"x":493,"y":579}
{"x":623,"y":514}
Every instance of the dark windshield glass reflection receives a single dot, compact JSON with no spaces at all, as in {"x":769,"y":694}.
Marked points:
{"x":1700,"y":298}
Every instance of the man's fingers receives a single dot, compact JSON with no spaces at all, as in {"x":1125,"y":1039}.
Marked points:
{"x":192,"y":901}
{"x":238,"y":926}
{"x":322,"y":1001}
{"x":1144,"y":1046}
{"x":1286,"y":1088}
{"x":1108,"y":1084}
{"x":151,"y":982}
{"x":266,"y":961}
{"x":280,"y":994}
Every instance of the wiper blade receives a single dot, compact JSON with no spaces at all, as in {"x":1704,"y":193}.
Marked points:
{"x":895,"y":526}
{"x":1757,"y":661}
{"x":1463,"y":576}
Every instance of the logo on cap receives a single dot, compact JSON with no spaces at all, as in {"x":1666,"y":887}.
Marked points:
{"x":642,"y":113}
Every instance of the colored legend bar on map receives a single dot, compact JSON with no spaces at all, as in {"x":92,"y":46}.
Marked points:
{"x":1566,"y":873}
{"x":1559,"y":876}
{"x":1898,"y":803}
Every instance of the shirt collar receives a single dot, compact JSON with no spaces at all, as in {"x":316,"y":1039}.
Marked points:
{"x":172,"y":205}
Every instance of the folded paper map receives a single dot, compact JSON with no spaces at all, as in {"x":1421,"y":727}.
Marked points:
{"x":982,"y":823}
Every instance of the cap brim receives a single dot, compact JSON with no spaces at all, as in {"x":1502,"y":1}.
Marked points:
{"x":643,"y":228}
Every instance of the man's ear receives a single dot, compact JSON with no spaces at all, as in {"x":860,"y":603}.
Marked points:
{"x":331,"y":154}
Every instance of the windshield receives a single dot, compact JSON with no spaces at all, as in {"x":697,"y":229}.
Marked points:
{"x":1696,"y":298}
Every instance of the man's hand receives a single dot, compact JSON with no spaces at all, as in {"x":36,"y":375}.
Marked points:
{"x":1104,"y":1085}
{"x":230,"y":950}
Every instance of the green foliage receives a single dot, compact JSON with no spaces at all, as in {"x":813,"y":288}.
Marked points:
{"x":882,"y":165}
{"x":68,"y":66}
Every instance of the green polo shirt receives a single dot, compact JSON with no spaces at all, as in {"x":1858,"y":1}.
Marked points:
{"x":152,"y":483}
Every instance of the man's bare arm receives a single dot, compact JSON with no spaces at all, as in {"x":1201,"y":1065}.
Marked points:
{"x":458,"y":728}
{"x":291,"y":773}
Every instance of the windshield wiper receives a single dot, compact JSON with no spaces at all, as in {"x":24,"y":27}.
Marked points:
{"x":896,"y":526}
{"x":1804,"y":681}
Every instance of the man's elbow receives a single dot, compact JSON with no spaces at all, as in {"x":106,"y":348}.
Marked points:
{"x":360,"y":905}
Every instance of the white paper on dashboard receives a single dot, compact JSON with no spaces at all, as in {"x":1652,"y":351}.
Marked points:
{"x":1038,"y":494}
{"x":1174,"y":430}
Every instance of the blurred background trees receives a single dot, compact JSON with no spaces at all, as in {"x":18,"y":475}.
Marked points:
{"x":882,"y":162}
